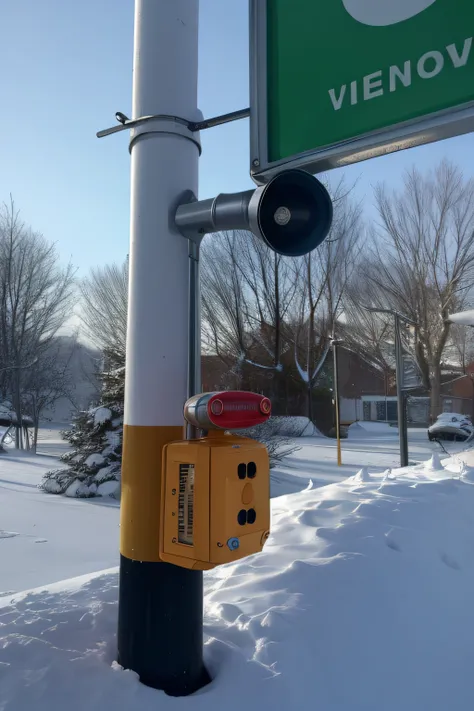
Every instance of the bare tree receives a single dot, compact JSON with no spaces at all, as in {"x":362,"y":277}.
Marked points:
{"x":272,"y":282}
{"x":247,"y":294}
{"x":324,"y":279}
{"x":49,"y":379}
{"x":224,"y":298}
{"x":35,"y":299}
{"x":423,"y":259}
{"x":260,"y":308}
{"x":369,"y":335}
{"x":104,"y":308}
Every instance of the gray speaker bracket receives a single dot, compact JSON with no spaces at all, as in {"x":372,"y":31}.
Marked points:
{"x":234,"y":211}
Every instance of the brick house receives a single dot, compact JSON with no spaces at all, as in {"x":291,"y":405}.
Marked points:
{"x":365,"y":393}
{"x":361,"y":387}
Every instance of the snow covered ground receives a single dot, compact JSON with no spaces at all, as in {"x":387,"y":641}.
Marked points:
{"x":61,"y":538}
{"x":50,"y":442}
{"x":376,"y":447}
{"x":46,"y":538}
{"x":361,"y":600}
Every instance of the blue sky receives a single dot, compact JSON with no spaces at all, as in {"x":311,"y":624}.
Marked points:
{"x":66,"y":69}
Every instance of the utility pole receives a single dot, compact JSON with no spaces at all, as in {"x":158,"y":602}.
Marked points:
{"x":160,"y":634}
{"x":401,"y":398}
{"x":335,"y":344}
{"x":401,"y":405}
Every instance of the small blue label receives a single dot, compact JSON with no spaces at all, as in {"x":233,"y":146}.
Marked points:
{"x":233,"y":543}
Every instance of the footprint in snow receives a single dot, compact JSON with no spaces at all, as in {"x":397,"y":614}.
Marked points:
{"x":391,"y":543}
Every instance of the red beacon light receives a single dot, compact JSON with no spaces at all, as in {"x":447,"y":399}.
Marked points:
{"x":227,"y":410}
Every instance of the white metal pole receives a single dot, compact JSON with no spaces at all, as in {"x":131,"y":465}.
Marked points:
{"x":160,"y":610}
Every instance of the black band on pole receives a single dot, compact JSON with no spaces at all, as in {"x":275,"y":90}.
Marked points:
{"x":160,"y":625}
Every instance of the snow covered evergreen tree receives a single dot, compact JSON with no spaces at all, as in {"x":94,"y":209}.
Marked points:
{"x":93,"y":465}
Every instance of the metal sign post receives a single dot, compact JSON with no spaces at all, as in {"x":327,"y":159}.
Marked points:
{"x":337,"y":82}
{"x":334,"y":344}
{"x":402,"y":412}
{"x":399,"y":374}
{"x":411,"y":376}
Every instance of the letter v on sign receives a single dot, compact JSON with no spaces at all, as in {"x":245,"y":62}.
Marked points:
{"x":380,"y":13}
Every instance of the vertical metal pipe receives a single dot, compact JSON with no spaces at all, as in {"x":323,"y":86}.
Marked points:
{"x":336,"y":402}
{"x":402,"y":419}
{"x":194,"y":344}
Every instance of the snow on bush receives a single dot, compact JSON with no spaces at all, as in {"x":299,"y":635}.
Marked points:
{"x":90,"y":461}
{"x":80,"y":489}
{"x":360,"y":601}
{"x":109,"y":488}
{"x":101,"y":415}
{"x":277,"y":435}
{"x":52,"y":486}
{"x":364,"y":428}
{"x":94,"y":460}
{"x":295,"y":426}
{"x":104,"y":474}
{"x":96,"y":446}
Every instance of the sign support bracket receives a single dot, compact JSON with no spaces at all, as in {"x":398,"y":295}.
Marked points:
{"x":193,"y":126}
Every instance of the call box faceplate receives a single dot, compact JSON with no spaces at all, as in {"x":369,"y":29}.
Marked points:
{"x":240,"y":500}
{"x":215,"y":501}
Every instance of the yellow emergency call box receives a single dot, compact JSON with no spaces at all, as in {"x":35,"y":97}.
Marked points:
{"x":215,"y":499}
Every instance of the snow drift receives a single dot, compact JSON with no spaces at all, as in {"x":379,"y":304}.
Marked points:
{"x":361,"y":601}
{"x":362,"y":428}
{"x":296,"y":426}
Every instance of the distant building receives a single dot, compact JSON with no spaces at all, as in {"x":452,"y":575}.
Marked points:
{"x":457,"y":394}
{"x":365,"y":395}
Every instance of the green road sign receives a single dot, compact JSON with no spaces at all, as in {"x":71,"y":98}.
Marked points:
{"x":338,"y":81}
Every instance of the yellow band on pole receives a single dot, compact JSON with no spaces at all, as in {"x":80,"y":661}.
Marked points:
{"x":141,"y":490}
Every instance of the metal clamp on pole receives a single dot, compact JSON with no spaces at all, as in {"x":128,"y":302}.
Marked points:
{"x":127,"y":123}
{"x":292,"y":213}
